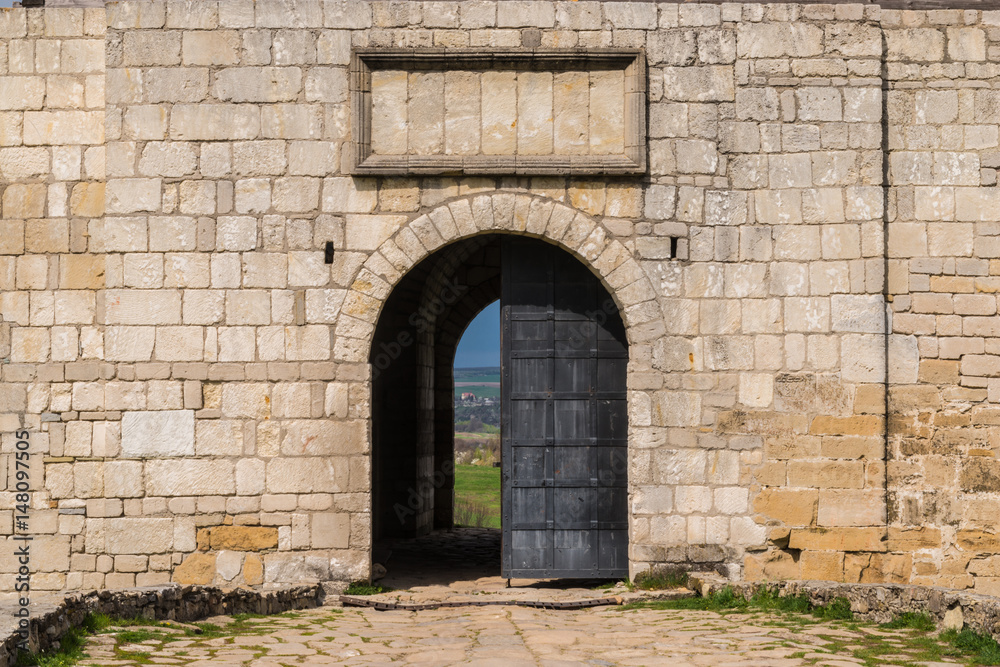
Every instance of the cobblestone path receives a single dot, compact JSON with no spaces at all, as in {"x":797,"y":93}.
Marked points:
{"x":503,"y":636}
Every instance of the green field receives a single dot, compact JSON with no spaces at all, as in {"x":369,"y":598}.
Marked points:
{"x":479,"y":390}
{"x":488,"y":374}
{"x":469,"y":379}
{"x":477,"y":496}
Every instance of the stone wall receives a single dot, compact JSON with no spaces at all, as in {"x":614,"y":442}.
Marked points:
{"x":196,"y":379}
{"x":52,"y":175}
{"x":943,"y":112}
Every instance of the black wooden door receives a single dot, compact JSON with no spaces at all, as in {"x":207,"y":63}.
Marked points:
{"x":564,"y":418}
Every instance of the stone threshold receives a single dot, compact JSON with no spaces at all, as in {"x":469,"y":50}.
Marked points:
{"x":536,"y":597}
{"x":51,"y":617}
{"x":878,"y":603}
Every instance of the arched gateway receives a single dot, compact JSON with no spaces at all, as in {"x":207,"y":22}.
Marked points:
{"x":564,"y":356}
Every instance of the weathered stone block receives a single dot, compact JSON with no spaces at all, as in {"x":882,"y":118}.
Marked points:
{"x":307,"y":475}
{"x":159,"y":433}
{"x":291,"y":121}
{"x":138,"y":536}
{"x":714,"y":83}
{"x":246,"y":400}
{"x":778,"y":40}
{"x":790,"y":507}
{"x":23,"y":163}
{"x":838,"y":539}
{"x":214,"y":48}
{"x":915,"y":44}
{"x":214,"y":122}
{"x":133,"y":195}
{"x":21,"y":92}
{"x":851,"y":508}
{"x":197,"y":570}
{"x":190,"y":477}
{"x":321,"y":437}
{"x":144,"y":48}
{"x":24,"y":201}
{"x":219,"y":437}
{"x":330,"y":531}
{"x":129,"y":343}
{"x":174,"y":84}
{"x":258,"y":84}
{"x":238,"y":538}
{"x":966,"y":43}
{"x":136,"y":307}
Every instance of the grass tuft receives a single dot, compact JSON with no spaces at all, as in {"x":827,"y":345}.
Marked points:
{"x":727,"y":599}
{"x":661,"y":578}
{"x":70,"y":651}
{"x":364,"y":588}
{"x":137,"y":636}
{"x":911,"y":621}
{"x":838,"y":610}
{"x":983,"y":648}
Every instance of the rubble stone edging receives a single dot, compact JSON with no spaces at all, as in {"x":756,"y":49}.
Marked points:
{"x":178,"y":603}
{"x":879,"y":603}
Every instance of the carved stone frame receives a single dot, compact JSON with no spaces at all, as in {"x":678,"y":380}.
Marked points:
{"x":632,"y":61}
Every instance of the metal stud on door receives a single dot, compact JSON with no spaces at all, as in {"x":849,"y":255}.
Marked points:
{"x":565,"y":421}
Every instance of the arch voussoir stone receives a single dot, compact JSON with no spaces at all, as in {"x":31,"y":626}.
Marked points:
{"x":482,"y":212}
{"x":378,"y":264}
{"x":461,"y":213}
{"x":538,"y":215}
{"x":428,"y":235}
{"x":408,"y":242}
{"x":395,"y":256}
{"x":559,"y":222}
{"x":443,"y":221}
{"x":521,"y":213}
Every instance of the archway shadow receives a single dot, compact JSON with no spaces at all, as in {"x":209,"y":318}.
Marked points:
{"x":460,"y":560}
{"x":443,"y":558}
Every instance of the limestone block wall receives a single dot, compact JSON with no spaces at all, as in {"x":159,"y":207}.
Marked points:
{"x":765,"y":147}
{"x":196,"y":378}
{"x":52,"y":170}
{"x":943,"y":111}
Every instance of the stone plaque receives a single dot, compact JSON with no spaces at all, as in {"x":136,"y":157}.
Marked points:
{"x":147,"y":434}
{"x":527,"y":112}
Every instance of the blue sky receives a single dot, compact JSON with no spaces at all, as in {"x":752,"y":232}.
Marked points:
{"x":480,"y":344}
{"x":7,"y":3}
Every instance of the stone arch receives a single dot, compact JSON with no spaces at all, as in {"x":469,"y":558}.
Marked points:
{"x":576,"y":232}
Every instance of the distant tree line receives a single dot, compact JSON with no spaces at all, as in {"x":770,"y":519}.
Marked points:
{"x":484,"y":416}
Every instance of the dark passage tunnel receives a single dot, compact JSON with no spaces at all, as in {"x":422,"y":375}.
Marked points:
{"x":412,"y":364}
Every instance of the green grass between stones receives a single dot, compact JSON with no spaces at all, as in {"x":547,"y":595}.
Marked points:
{"x":913,"y":639}
{"x":909,"y":639}
{"x":71,"y":645}
{"x":911,"y":620}
{"x":364,"y":588}
{"x":660,"y":578}
{"x":137,"y":630}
